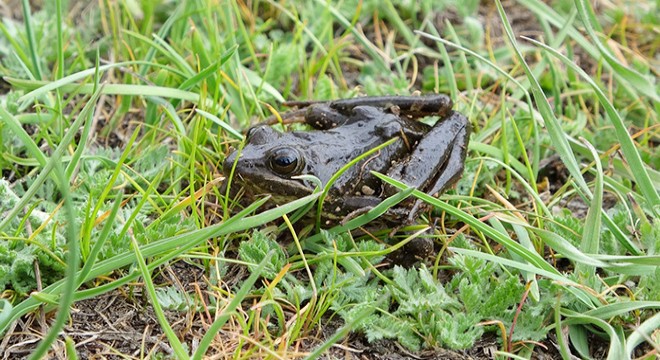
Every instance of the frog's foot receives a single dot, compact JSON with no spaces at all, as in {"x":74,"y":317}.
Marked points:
{"x":413,"y":252}
{"x":355,"y":213}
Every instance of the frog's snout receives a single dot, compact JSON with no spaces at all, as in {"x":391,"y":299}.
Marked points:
{"x":229,"y":163}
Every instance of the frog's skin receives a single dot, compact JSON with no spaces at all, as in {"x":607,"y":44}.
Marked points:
{"x":429,"y":158}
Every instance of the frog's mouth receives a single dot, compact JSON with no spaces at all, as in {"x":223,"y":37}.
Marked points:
{"x":282,"y":190}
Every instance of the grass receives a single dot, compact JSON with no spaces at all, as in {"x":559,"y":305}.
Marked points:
{"x":115,"y":119}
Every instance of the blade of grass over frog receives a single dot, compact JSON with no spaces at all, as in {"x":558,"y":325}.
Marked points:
{"x":591,"y":234}
{"x":343,"y":169}
{"x":221,"y":319}
{"x":365,"y":218}
{"x":375,"y":54}
{"x":631,"y":154}
{"x":176,"y":345}
{"x":643,"y":86}
{"x":557,"y":136}
{"x":617,"y":346}
{"x":230,"y":130}
{"x":301,"y":212}
{"x":43,"y":87}
{"x":533,"y":258}
{"x":178,"y":245}
{"x":50,"y":163}
{"x":642,"y":333}
{"x":341,"y":333}
{"x":32,"y":42}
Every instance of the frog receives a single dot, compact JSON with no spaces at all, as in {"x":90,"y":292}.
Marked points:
{"x":429,"y":158}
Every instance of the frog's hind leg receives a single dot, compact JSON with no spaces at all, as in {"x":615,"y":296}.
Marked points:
{"x":452,"y":169}
{"x":437,"y":161}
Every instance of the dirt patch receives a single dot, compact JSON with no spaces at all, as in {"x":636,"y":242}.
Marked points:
{"x":122,"y":323}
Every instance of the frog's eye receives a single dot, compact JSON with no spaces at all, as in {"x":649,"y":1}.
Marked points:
{"x":250,"y":133}
{"x":260,"y":134}
{"x":285,"y":161}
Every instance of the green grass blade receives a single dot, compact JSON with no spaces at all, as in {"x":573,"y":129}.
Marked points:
{"x":73,"y":260}
{"x":48,"y":165}
{"x":43,"y":87}
{"x":617,"y":344}
{"x":32,"y":42}
{"x":230,"y":130}
{"x":637,"y":167}
{"x":174,"y":341}
{"x":13,"y":125}
{"x":335,"y":176}
{"x":60,"y":40}
{"x":552,"y":124}
{"x":221,"y":319}
{"x":591,"y":234}
{"x":642,"y":333}
{"x":641,"y":84}
{"x":361,"y":39}
{"x":344,"y":330}
{"x":176,"y":245}
{"x":208,"y":71}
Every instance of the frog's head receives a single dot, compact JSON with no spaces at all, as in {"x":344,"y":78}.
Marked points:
{"x":266,"y":165}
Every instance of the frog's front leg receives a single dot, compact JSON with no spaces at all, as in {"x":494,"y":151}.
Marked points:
{"x":322,"y":117}
{"x":438,"y":159}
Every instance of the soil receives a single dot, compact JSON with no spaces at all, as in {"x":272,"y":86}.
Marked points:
{"x":121,"y":324}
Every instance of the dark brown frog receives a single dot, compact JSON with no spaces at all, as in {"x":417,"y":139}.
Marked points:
{"x":429,"y":158}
